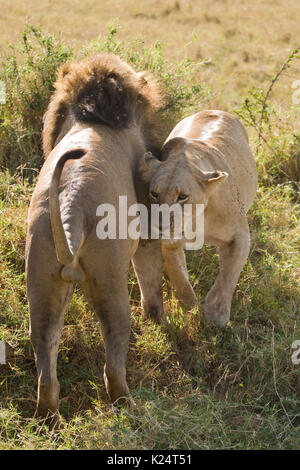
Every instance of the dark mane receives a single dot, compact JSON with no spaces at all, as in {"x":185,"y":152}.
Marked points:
{"x":103,"y":89}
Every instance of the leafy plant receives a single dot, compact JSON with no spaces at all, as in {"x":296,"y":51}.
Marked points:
{"x":29,"y":74}
{"x":277,"y":144}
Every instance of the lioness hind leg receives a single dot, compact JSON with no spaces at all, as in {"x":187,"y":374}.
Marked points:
{"x":232,"y":258}
{"x":47,"y":303}
{"x":147,"y":264}
{"x":175,"y":265}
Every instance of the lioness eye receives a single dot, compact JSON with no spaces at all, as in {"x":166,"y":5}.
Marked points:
{"x":182,"y":197}
{"x":154,"y":195}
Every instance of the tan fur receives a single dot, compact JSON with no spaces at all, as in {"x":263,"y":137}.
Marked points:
{"x":89,"y":163}
{"x":208,"y":158}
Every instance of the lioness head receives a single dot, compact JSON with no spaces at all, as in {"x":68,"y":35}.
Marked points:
{"x":186,"y":173}
{"x":183,"y":179}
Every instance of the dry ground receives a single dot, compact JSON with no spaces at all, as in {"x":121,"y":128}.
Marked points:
{"x":241,"y":42}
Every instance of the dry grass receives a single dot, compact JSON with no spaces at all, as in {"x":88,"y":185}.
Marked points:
{"x":240,"y":43}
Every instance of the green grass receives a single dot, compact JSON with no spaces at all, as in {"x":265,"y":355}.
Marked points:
{"x":194,"y":386}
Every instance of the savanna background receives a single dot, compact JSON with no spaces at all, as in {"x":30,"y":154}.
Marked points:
{"x":195,"y":387}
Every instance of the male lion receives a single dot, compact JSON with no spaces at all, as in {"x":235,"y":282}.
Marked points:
{"x":207,"y":160}
{"x":99,"y":122}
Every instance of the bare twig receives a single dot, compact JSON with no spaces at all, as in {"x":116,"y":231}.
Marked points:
{"x":275,"y":381}
{"x":283,"y":67}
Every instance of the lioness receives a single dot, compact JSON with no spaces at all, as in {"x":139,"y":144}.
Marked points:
{"x":100,"y":120}
{"x":207,"y":160}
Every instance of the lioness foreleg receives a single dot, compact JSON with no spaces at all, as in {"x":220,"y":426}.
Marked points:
{"x":232,"y":258}
{"x":147,"y":263}
{"x":175,"y":265}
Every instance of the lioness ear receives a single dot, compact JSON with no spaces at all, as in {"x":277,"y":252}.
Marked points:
{"x":149,"y":166}
{"x":211,"y":179}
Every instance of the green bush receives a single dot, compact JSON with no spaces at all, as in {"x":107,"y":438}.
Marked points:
{"x":29,"y":74}
{"x":277,"y":143}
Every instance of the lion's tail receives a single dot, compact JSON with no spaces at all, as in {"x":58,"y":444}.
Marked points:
{"x":72,"y":271}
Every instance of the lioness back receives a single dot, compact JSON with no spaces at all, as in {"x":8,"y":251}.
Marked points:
{"x":226,"y":133}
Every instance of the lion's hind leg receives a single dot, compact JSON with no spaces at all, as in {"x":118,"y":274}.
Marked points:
{"x":107,"y":294}
{"x":48,"y":297}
